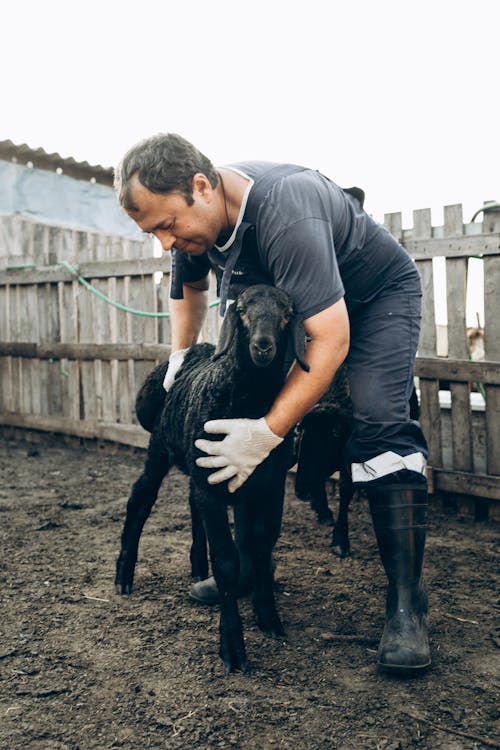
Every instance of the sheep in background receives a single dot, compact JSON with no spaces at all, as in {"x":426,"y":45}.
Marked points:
{"x":322,"y":437}
{"x":240,"y":378}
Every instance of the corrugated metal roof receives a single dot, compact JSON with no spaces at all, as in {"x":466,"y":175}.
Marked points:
{"x":81,"y":170}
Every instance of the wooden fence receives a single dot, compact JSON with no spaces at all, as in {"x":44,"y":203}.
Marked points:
{"x":473,"y":445}
{"x":71,"y":363}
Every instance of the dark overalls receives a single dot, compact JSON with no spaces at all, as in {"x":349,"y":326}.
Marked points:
{"x":384,"y":332}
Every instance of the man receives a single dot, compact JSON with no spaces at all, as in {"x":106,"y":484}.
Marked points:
{"x":360,"y":296}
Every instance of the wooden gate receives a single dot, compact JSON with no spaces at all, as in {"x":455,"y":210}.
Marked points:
{"x":467,"y":472}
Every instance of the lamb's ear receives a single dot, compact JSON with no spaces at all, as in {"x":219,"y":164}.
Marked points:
{"x":227,"y":331}
{"x":298,"y":335}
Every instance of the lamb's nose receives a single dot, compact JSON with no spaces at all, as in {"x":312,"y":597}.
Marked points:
{"x":263,"y":345}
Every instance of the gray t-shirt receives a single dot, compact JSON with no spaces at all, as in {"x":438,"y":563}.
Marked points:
{"x":310,"y":238}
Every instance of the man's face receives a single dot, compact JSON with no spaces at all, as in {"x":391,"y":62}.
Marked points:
{"x":190,"y":229}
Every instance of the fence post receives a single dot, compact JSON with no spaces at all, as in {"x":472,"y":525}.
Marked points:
{"x":430,"y":410}
{"x":491,"y":223}
{"x":456,"y":286}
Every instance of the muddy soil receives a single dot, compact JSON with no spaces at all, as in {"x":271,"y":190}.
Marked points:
{"x":83,"y":668}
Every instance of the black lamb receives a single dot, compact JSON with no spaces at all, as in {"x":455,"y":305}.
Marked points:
{"x":239,"y":378}
{"x":322,"y":437}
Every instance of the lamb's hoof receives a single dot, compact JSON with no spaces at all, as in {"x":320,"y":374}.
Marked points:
{"x":324,"y":515}
{"x":324,"y":520}
{"x":271,"y":625}
{"x":233,"y":654}
{"x":124,"y":589}
{"x":277,"y":632}
{"x":340,"y":550}
{"x":230,"y":668}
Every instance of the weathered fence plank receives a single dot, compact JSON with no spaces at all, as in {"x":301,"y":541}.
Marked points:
{"x":430,"y":411}
{"x":32,"y":369}
{"x":457,"y":370}
{"x":456,"y":283}
{"x":86,"y":352}
{"x":54,"y":334}
{"x":6,"y":399}
{"x":113,"y":334}
{"x":467,"y":247}
{"x":70,"y":369}
{"x":102,"y":328}
{"x":86,"y":314}
{"x":393,"y":222}
{"x":16,"y":372}
{"x":466,"y":483}
{"x":58,"y":272}
{"x":492,"y":346}
{"x":143,"y":329}
{"x":162,"y":296}
{"x":127,"y":434}
{"x":212,"y":324}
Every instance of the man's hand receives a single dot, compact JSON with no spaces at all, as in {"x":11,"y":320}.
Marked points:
{"x":247,"y":443}
{"x":174,"y":363}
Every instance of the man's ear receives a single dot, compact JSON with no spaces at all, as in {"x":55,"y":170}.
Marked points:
{"x":201,"y":184}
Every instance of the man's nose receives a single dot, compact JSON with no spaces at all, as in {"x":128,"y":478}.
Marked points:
{"x":167,"y":240}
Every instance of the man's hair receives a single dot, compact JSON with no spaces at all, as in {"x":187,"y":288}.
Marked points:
{"x":163,"y":163}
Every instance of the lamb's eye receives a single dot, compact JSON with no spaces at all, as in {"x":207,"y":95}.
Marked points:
{"x":240,"y":310}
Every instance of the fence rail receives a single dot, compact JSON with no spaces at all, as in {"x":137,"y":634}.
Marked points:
{"x":71,"y":363}
{"x":84,"y":352}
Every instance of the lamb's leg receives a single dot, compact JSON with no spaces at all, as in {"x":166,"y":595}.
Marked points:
{"x":340,"y":541}
{"x":310,"y":480}
{"x":140,"y":503}
{"x":243,"y":538}
{"x":198,"y":553}
{"x":319,"y":501}
{"x":225,"y":566}
{"x":267,"y":511}
{"x":204,"y":591}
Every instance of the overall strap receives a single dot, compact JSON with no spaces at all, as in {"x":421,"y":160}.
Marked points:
{"x":260,"y":189}
{"x":176,"y":276}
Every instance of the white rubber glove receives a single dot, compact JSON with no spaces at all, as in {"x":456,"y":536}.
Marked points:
{"x":247,"y":443}
{"x":174,"y":363}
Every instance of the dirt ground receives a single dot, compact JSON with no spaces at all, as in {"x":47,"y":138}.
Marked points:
{"x":83,"y":668}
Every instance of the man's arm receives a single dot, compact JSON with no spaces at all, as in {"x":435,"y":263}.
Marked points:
{"x":327,"y":349}
{"x":249,"y":441}
{"x":186,"y":319}
{"x":188,"y":314}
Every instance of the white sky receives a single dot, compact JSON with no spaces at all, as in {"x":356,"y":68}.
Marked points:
{"x":400,"y":98}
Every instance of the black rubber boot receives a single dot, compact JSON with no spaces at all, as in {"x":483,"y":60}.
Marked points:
{"x":206,"y":591}
{"x":399,"y":513}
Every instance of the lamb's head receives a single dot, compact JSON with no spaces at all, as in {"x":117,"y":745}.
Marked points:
{"x":264,"y":316}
